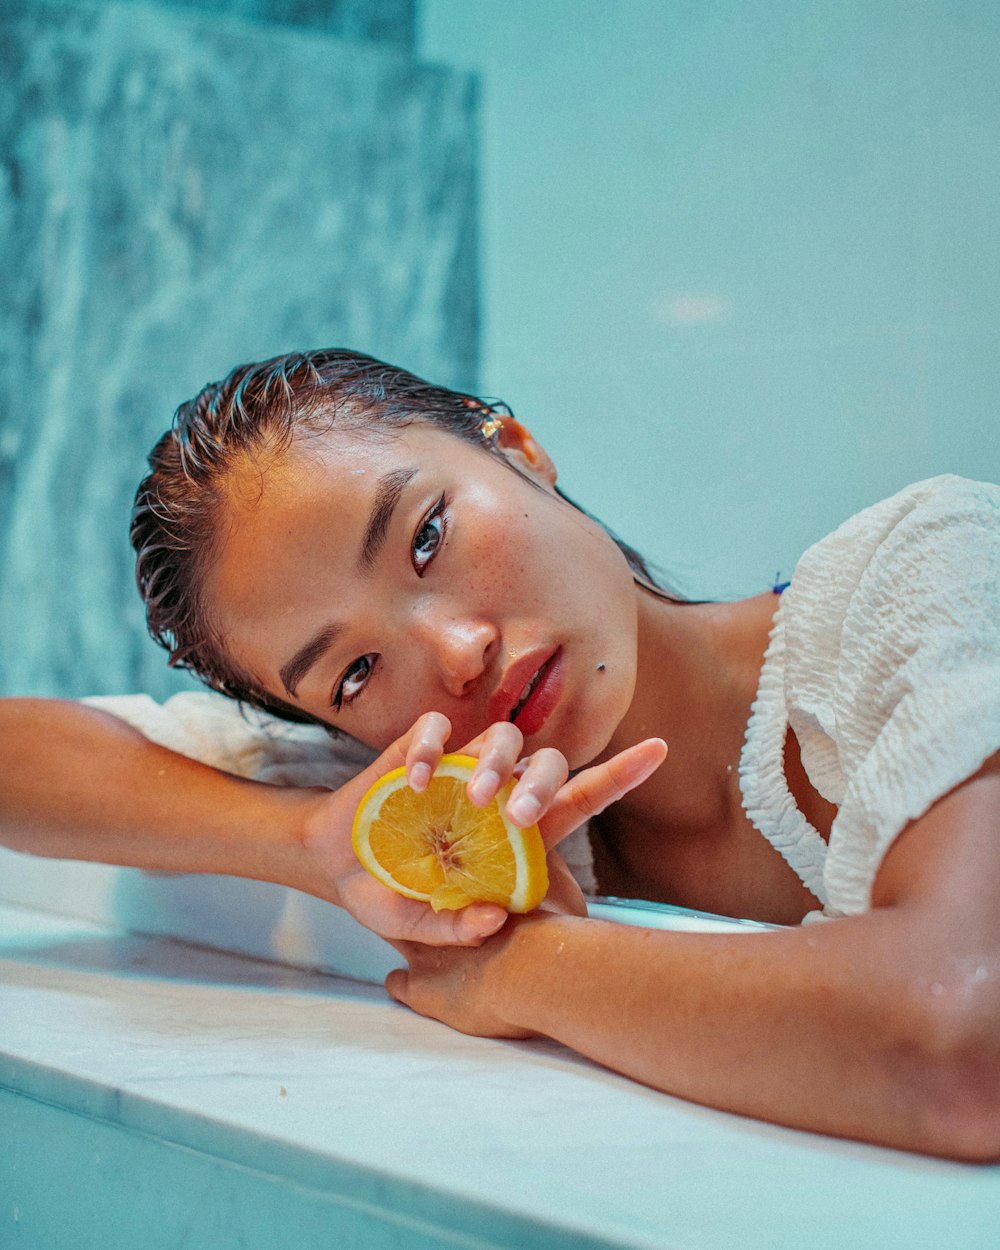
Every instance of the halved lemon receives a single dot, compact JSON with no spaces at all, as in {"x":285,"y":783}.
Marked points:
{"x":440,"y":848}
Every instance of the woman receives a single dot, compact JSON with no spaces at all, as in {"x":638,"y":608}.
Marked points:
{"x":333,"y":540}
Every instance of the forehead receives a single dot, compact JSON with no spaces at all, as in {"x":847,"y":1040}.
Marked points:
{"x":337,"y":469}
{"x":306,"y":507}
{"x":262,"y":476}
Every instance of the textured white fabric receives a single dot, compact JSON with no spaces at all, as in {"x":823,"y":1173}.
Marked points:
{"x":217,"y":731}
{"x":885,"y":660}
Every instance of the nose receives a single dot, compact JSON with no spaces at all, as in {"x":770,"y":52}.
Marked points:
{"x":462,"y":646}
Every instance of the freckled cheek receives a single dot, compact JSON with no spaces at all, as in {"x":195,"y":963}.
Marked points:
{"x":497,"y":558}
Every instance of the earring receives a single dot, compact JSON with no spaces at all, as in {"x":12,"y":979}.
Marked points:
{"x":490,"y":426}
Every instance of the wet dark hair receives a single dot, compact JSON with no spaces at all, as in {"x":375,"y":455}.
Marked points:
{"x":248,"y":420}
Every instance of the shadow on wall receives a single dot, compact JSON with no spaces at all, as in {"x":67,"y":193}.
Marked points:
{"x":252,"y":918}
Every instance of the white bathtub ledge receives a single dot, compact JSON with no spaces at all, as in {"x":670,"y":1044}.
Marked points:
{"x":240,"y":1097}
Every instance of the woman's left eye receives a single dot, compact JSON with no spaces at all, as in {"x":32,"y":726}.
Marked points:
{"x":428,"y":537}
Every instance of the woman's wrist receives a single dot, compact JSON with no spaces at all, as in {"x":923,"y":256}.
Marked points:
{"x":529,"y":969}
{"x":286,"y":844}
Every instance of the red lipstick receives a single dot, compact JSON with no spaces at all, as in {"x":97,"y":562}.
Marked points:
{"x":539,"y":696}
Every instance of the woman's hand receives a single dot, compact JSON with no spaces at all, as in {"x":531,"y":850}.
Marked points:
{"x":542,"y":794}
{"x":459,"y":985}
{"x":545,"y":793}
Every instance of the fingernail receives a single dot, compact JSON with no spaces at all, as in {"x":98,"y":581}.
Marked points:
{"x":420,"y":776}
{"x":524,"y":809}
{"x":484,"y":786}
{"x":482,"y":920}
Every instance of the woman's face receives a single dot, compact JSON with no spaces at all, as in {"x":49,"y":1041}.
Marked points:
{"x":368,"y":580}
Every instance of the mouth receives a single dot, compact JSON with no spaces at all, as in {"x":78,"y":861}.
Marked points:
{"x":539,"y":696}
{"x":528,"y":691}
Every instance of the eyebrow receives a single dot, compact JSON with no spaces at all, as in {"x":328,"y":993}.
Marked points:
{"x":303,"y":659}
{"x":388,"y":491}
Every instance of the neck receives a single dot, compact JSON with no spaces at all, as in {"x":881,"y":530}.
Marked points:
{"x":698,"y":668}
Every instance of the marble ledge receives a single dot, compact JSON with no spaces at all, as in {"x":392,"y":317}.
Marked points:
{"x":322,"y":1091}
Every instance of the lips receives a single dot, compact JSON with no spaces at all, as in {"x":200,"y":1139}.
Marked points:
{"x":530,"y":690}
{"x":527,"y":692}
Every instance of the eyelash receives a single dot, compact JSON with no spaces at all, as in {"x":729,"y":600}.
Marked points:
{"x":436,"y":514}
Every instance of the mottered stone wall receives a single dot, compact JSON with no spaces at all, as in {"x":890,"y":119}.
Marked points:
{"x":183,"y":188}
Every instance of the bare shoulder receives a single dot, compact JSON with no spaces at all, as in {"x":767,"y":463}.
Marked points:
{"x":949,"y":856}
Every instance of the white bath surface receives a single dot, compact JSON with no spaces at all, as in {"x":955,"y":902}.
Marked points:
{"x":322,"y":1091}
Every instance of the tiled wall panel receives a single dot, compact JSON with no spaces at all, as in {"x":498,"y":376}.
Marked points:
{"x":180,"y":192}
{"x":384,"y":21}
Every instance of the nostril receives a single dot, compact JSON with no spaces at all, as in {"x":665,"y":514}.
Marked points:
{"x":466,"y":650}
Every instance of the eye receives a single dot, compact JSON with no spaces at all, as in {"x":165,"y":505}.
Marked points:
{"x":354,"y":681}
{"x":429,"y":537}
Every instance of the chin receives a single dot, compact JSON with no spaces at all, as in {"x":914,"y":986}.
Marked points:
{"x":600,"y":724}
{"x":591,"y":735}
{"x":591,"y":750}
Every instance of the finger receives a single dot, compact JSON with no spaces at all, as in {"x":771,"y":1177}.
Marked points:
{"x":470,"y":926}
{"x":399,"y":919}
{"x":592,"y":790}
{"x":498,"y":749}
{"x":396,"y":985}
{"x":401,"y":985}
{"x":426,"y":745}
{"x":431,"y":724}
{"x":537,"y":787}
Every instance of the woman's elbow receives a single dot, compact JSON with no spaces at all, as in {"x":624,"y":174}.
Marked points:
{"x":953,"y":1071}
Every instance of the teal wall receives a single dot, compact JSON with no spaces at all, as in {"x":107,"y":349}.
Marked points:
{"x":740,"y":258}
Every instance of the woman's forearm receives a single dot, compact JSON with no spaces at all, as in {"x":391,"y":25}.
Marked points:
{"x":77,"y":783}
{"x":883,"y":1026}
{"x":819,"y":1028}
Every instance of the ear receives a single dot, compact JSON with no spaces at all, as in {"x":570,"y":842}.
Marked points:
{"x":521,"y":447}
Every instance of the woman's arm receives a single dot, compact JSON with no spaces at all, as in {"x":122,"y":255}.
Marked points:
{"x":883,"y":1027}
{"x":78,"y":783}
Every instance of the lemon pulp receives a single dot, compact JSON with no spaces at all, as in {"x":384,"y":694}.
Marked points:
{"x":439,"y":847}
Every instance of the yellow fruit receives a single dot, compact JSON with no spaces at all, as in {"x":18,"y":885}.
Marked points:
{"x":439,"y":848}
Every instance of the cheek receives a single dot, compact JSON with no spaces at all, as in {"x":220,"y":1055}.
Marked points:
{"x":400,"y":696}
{"x":492,"y":556}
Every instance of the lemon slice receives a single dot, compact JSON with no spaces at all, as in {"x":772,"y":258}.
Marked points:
{"x":440,"y":848}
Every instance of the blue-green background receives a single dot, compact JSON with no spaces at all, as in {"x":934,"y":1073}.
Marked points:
{"x":740,"y":258}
